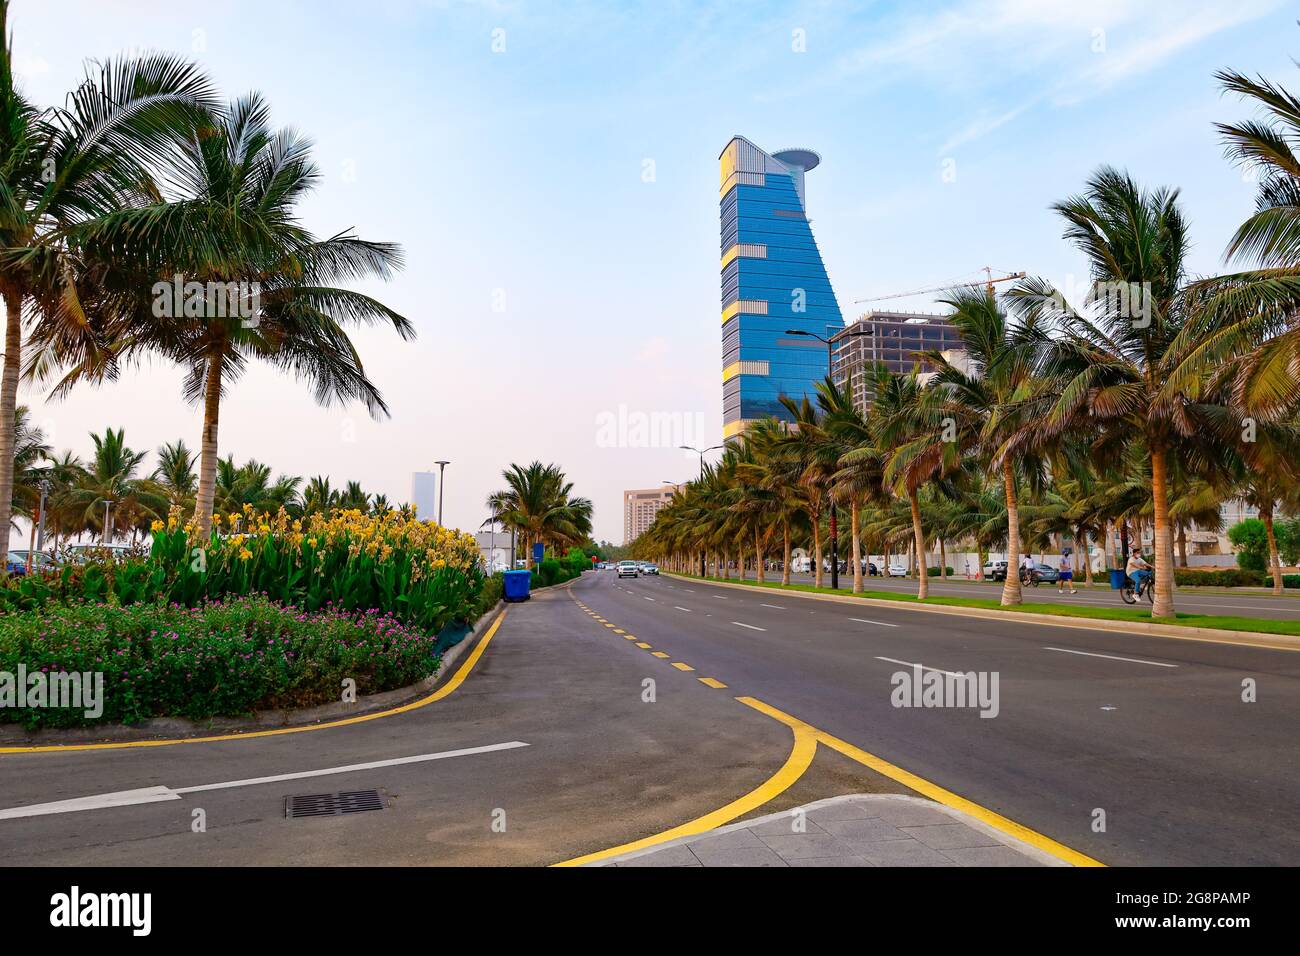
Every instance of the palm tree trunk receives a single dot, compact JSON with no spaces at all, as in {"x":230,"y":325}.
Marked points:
{"x":1274,"y":561}
{"x":817,"y":550}
{"x":8,"y":404}
{"x":1011,"y":586}
{"x":208,"y":459}
{"x":758,"y":557}
{"x":1182,"y":545}
{"x":1081,"y":544}
{"x":854,"y":512}
{"x":1164,"y":602}
{"x":918,"y":539}
{"x":943,"y":559}
{"x":785,"y":568}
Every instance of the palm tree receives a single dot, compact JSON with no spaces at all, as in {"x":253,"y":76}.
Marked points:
{"x":1131,"y":369}
{"x":112,"y":480}
{"x":229,"y":217}
{"x":30,"y":451}
{"x":353,"y":497}
{"x":849,"y":444}
{"x":61,"y":170}
{"x":538,"y":502}
{"x":319,"y":497}
{"x":175,"y":473}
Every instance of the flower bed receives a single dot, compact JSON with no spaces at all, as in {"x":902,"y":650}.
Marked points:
{"x":220,"y":658}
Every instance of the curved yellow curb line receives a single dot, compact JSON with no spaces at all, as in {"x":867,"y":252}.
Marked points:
{"x":452,"y":683}
{"x":801,"y":755}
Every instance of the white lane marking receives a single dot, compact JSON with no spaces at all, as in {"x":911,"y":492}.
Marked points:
{"x":937,"y":670}
{"x":719,"y":597}
{"x":680,"y":608}
{"x":863,"y":620}
{"x":647,"y":598}
{"x":125,"y":798}
{"x":775,"y":607}
{"x":688,"y":590}
{"x":1109,"y":657}
{"x":750,"y":626}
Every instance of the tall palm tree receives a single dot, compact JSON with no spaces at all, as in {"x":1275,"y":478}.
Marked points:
{"x":1129,"y":367}
{"x":112,"y":480}
{"x":175,"y":473}
{"x":228,"y":215}
{"x":318,"y":497}
{"x":60,"y":170}
{"x":538,"y":502}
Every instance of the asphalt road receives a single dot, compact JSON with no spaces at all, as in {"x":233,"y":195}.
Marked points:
{"x":1152,"y":731}
{"x":1197,"y":601}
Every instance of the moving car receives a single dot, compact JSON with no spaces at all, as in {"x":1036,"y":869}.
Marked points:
{"x":650,"y":568}
{"x":898,"y":571}
{"x":628,"y":569}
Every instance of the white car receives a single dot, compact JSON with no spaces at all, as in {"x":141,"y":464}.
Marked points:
{"x":650,"y":568}
{"x":897,"y":571}
{"x":628,"y":569}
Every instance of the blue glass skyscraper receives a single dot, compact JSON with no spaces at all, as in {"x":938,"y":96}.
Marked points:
{"x":773,"y":280}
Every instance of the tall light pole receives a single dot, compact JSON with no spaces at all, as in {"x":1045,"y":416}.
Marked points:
{"x":442,"y":465}
{"x":830,"y":374}
{"x":40,"y":530}
{"x":108,"y":502}
{"x":701,"y":454}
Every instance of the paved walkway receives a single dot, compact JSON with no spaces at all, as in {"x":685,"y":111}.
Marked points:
{"x":855,"y":830}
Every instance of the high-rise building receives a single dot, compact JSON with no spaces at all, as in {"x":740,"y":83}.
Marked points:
{"x":640,"y":506}
{"x":895,"y":338}
{"x":773,"y":281}
{"x":424,"y":495}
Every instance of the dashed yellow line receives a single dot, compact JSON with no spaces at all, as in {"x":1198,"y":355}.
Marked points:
{"x":452,"y":683}
{"x":682,"y":667}
{"x":644,"y":646}
{"x":713,"y":682}
{"x":659,"y":654}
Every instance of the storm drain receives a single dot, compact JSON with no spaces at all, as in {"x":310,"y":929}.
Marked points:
{"x":332,"y":804}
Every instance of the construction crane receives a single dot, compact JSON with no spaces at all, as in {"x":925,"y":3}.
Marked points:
{"x":988,"y":283}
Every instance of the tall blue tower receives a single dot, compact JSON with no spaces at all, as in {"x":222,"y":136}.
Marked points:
{"x":773,"y":280}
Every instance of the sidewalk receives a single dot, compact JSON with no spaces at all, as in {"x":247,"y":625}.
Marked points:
{"x":853,"y":830}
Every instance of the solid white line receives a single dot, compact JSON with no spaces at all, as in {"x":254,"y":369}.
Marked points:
{"x":863,"y":620}
{"x":124,"y":798}
{"x":678,"y":607}
{"x":894,"y":660}
{"x":1109,"y":657}
{"x":750,"y":626}
{"x":775,"y":607}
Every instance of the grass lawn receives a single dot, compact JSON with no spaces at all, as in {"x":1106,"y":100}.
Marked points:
{"x":1122,"y":612}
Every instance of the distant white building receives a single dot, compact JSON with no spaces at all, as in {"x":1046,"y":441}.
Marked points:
{"x":424,"y":495}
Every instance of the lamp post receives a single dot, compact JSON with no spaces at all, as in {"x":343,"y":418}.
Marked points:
{"x":108,"y":502}
{"x":442,"y":466}
{"x":830,"y":374}
{"x":44,"y":485}
{"x":701,"y":453}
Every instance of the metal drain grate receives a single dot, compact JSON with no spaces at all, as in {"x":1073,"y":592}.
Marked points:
{"x":332,"y":804}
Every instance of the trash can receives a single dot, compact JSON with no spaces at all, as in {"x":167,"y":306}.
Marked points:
{"x":1117,"y":577}
{"x":516,"y":585}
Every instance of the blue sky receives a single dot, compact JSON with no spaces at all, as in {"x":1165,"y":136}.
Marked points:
{"x":551,"y":170}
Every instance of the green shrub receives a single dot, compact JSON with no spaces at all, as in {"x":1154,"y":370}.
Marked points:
{"x":1226,"y":578}
{"x":217,"y":659}
{"x":934,"y":571}
{"x":1250,"y":538}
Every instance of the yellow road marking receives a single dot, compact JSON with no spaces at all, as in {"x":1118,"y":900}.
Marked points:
{"x":801,"y":755}
{"x":607,"y":624}
{"x":712,"y":682}
{"x":619,"y":630}
{"x":660,"y":654}
{"x":644,"y":646}
{"x":452,"y":683}
{"x":629,"y":637}
{"x":682,"y":667}
{"x":931,"y":790}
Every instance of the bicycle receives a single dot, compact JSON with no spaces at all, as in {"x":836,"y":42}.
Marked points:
{"x":1131,"y":592}
{"x":1034,"y":577}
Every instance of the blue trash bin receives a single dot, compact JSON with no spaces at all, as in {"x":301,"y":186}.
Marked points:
{"x":1117,"y":577}
{"x":516,"y":584}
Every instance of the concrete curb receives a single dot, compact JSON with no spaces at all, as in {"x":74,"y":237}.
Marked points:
{"x":1031,"y":852}
{"x":168,"y":727}
{"x":1279,"y":642}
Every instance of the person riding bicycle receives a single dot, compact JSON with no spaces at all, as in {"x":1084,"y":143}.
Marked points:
{"x":1138,"y":570}
{"x":1026,"y":569}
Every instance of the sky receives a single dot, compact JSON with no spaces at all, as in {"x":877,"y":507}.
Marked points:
{"x":550,"y":170}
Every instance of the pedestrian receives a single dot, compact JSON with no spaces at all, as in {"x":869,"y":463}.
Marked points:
{"x":1066,"y":576}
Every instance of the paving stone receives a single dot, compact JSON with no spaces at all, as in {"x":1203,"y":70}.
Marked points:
{"x":864,"y":831}
{"x":832,"y":861}
{"x":950,"y":836}
{"x":989,"y":856}
{"x":783,"y":825}
{"x":902,"y":853}
{"x":668,"y":856}
{"x":908,"y":814}
{"x":741,"y":856}
{"x":794,"y":846}
{"x":847,"y":810}
{"x":726,"y":841}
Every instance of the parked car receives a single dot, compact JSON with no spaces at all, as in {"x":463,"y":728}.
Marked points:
{"x":83,"y":553}
{"x":651,"y":568}
{"x":1043,"y":572}
{"x":15,"y":564}
{"x":41,"y":561}
{"x":872,"y":570}
{"x":898,"y":570}
{"x":996,"y":571}
{"x":628,"y":569}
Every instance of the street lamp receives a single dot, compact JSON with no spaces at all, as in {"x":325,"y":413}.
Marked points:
{"x":701,"y":453}
{"x":107,"y":504}
{"x":830,"y":374}
{"x":44,"y":485}
{"x":442,"y":465}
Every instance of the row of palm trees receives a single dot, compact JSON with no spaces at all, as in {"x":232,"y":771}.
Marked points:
{"x":538,"y":504}
{"x":145,"y":175}
{"x":77,"y":492}
{"x":1145,"y":407}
